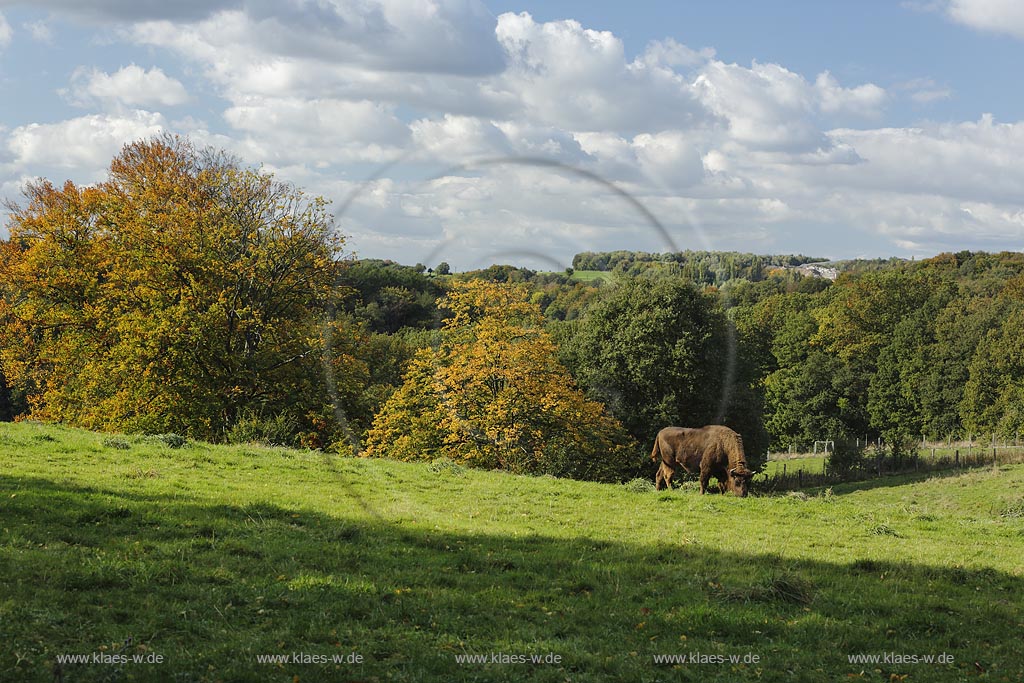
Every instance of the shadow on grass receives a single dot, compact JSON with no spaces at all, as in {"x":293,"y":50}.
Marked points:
{"x":210,"y":588}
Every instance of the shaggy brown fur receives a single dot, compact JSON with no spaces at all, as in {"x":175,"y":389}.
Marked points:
{"x":713,"y":451}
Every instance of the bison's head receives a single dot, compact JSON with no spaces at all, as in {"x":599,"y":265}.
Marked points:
{"x":739,"y":480}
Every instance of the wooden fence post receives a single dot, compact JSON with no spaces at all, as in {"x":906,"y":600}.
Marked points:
{"x":956,"y":458}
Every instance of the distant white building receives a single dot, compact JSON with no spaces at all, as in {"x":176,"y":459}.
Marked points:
{"x":815,"y":270}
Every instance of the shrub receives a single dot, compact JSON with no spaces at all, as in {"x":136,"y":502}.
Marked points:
{"x":1014,"y":510}
{"x":139,"y":473}
{"x":447,"y":467}
{"x":790,"y":588}
{"x":847,"y":458}
{"x":639,"y":486}
{"x":885,"y":530}
{"x":251,"y":427}
{"x":782,"y":587}
{"x":172,"y":440}
{"x":116,"y":443}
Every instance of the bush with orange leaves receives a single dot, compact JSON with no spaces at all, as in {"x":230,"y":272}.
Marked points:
{"x":493,"y":395}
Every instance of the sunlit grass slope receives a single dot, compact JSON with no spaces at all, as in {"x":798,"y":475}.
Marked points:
{"x":211,"y":557}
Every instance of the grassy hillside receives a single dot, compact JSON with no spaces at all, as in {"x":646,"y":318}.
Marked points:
{"x":210,"y":557}
{"x":592,"y":275}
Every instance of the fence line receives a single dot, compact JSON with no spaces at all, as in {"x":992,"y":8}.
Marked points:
{"x":873,"y":467}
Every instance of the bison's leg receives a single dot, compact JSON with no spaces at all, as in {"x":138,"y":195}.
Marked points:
{"x":664,"y":476}
{"x":705,"y":477}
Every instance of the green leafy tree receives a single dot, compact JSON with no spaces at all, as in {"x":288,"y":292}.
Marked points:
{"x":389,"y":296}
{"x":899,"y":389}
{"x":658,"y":353}
{"x":994,"y":394}
{"x":959,"y":330}
{"x":857,"y":323}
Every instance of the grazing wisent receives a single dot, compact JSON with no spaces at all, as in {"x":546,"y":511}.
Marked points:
{"x":712,"y":451}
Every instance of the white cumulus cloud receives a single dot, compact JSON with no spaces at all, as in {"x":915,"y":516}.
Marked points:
{"x":565,"y":75}
{"x":864,"y":100}
{"x":770,"y":107}
{"x":999,"y":16}
{"x":291,"y":131}
{"x":87,"y":142}
{"x":459,"y":138}
{"x":670,"y":158}
{"x":974,"y":160}
{"x":765,"y":106}
{"x":130,"y":86}
{"x":432,"y":36}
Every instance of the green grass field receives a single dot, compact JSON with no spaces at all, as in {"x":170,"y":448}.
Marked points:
{"x":810,"y":463}
{"x":211,"y":557}
{"x":592,"y":275}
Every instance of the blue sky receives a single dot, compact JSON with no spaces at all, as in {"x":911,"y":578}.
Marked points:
{"x":835,"y":129}
{"x":883,"y":41}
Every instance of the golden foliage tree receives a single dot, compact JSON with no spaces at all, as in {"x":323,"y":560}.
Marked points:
{"x":180,"y":293}
{"x":494,"y":395}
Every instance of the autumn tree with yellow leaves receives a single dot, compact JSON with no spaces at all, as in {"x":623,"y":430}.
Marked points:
{"x":493,"y":395}
{"x":180,"y":294}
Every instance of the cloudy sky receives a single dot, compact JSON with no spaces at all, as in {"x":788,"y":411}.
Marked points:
{"x":524,"y":132}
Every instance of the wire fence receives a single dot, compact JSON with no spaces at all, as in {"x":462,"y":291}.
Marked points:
{"x":874,"y":465}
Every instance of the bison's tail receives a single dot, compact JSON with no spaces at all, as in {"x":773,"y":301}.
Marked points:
{"x":656,"y":451}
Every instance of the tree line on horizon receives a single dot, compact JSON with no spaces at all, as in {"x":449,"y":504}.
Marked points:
{"x":190,"y":294}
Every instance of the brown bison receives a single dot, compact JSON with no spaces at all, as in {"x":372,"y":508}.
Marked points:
{"x":713,"y":451}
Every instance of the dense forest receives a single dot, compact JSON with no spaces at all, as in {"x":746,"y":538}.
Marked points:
{"x":189,"y":294}
{"x":703,"y":267}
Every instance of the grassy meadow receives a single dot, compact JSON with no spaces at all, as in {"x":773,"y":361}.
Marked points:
{"x":807,"y":463}
{"x":593,"y":275}
{"x":209,"y":558}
